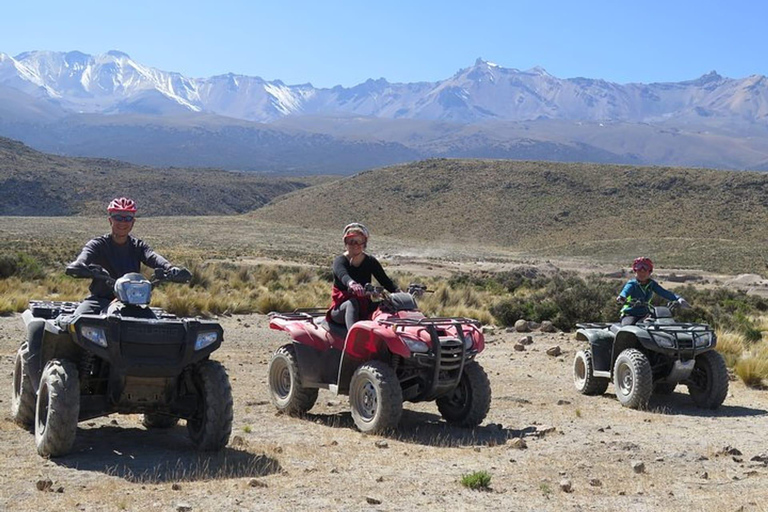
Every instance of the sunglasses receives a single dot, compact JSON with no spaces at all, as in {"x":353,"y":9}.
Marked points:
{"x":354,"y":242}
{"x":122,"y":218}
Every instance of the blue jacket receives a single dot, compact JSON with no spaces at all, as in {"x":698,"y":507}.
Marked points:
{"x":644,"y":292}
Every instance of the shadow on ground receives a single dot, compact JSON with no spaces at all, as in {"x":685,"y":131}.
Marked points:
{"x":158,"y":456}
{"x":681,"y":403}
{"x":431,"y":430}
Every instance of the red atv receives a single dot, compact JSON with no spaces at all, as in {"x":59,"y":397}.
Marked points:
{"x":398,"y":355}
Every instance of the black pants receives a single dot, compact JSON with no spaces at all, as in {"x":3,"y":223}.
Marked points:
{"x":92,"y":305}
{"x":630,"y":320}
{"x":347,"y":313}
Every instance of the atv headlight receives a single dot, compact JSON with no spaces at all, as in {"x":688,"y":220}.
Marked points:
{"x":467,"y":341}
{"x":205,"y":338}
{"x":94,"y":334}
{"x":416,"y":345}
{"x":703,"y":340}
{"x":664,"y":340}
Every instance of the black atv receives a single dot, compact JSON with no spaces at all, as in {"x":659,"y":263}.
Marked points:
{"x":652,"y":356}
{"x":129,"y":359}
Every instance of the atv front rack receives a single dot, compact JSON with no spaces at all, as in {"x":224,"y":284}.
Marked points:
{"x":449,"y":355}
{"x":683,"y":335}
{"x":412,"y":322}
{"x":50,"y":309}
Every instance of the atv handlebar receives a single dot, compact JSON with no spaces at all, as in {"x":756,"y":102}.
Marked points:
{"x":672,"y":305}
{"x":99,"y":273}
{"x":414,"y":289}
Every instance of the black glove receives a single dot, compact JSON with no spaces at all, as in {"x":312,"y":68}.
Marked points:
{"x":179,"y":274}
{"x":99,"y":272}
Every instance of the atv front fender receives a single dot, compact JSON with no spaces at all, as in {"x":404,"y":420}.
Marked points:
{"x":367,"y":339}
{"x":36,"y":357}
{"x":633,"y":336}
{"x":601,"y":343}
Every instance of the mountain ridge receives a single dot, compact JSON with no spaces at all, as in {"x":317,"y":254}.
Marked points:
{"x":81,"y":105}
{"x":482,"y":91}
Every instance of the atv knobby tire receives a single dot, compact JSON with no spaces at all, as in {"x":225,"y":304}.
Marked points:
{"x":583,"y":377}
{"x":23,"y":398}
{"x":633,"y":379}
{"x":57,"y":409}
{"x":150,"y":420}
{"x":468,"y":404}
{"x":708,"y":383}
{"x":285,"y":390}
{"x":211,"y":426}
{"x":375,"y":397}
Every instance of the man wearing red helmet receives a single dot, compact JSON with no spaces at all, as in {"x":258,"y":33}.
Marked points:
{"x":641,"y":289}
{"x":351,"y":271}
{"x":118,"y":253}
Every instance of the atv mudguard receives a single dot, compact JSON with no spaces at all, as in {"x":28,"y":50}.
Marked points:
{"x":368,"y":340}
{"x":304,"y":333}
{"x":631,"y":336}
{"x":601,"y":343}
{"x":45,"y":342}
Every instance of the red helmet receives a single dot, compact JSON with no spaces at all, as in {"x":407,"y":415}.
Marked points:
{"x":642,"y":263}
{"x":122,"y":204}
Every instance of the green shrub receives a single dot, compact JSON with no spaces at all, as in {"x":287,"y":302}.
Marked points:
{"x":478,"y":481}
{"x":565,"y":300}
{"x":20,"y":265}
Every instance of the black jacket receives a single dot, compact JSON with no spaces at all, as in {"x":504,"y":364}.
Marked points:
{"x":116,"y":259}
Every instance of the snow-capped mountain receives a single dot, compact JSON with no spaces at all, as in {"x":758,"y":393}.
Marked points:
{"x":114,"y":83}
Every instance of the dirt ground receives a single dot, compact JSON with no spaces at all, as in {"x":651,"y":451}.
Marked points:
{"x":581,"y":452}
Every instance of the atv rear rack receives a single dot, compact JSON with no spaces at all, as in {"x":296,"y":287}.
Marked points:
{"x":594,"y":325}
{"x":305,"y":314}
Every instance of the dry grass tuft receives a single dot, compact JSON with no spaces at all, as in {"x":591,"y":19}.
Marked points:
{"x":731,"y":346}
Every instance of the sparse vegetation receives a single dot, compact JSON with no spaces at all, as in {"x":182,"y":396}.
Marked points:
{"x":477,"y":480}
{"x":599,"y":212}
{"x":231,"y":275}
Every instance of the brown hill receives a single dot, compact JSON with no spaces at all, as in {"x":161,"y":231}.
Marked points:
{"x":696,"y":217}
{"x":35,"y":183}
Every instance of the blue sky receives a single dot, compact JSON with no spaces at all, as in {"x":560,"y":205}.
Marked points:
{"x":336,"y":42}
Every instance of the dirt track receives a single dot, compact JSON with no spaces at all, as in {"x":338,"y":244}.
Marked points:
{"x":322,"y":463}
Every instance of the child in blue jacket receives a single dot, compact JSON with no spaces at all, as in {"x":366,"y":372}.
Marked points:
{"x":642,"y":288}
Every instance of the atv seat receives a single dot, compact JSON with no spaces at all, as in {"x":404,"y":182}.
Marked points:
{"x":337,"y":330}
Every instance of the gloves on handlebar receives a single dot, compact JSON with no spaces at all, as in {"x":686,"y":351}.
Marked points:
{"x":621,"y":300}
{"x":683,"y":303}
{"x":98,"y":271}
{"x":357,"y":289}
{"x":179,"y":274}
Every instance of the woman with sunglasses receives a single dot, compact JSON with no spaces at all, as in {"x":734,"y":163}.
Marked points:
{"x":641,"y":289}
{"x":351,"y":271}
{"x":117,"y":252}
